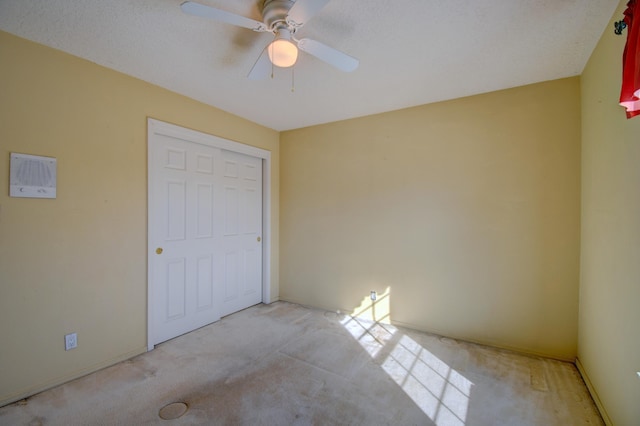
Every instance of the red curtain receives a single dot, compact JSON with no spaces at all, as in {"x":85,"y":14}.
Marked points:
{"x":630,"y":93}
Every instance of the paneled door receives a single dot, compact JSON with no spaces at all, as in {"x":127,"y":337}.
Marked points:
{"x":205,"y":234}
{"x":242,"y":188}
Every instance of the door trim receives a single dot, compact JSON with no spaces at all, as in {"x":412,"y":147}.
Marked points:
{"x":156,"y":127}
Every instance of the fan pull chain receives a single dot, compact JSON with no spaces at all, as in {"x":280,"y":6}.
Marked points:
{"x":293,"y":86}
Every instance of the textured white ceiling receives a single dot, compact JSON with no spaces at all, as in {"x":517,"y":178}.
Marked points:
{"x":411,"y":52}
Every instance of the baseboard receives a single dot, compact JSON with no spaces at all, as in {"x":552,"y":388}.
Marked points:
{"x":41,"y":387}
{"x":492,"y":344}
{"x":489,"y":343}
{"x":594,"y":394}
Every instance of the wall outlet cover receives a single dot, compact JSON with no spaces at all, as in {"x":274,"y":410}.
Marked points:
{"x":70,"y":341}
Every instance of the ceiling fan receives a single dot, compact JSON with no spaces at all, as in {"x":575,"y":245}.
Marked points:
{"x":282,"y":18}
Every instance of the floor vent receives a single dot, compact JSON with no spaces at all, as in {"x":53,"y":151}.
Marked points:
{"x":173,"y":411}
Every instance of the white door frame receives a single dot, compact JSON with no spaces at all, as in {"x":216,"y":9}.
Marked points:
{"x":156,"y":127}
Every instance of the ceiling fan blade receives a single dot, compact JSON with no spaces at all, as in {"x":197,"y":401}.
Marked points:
{"x":198,"y":9}
{"x":261,"y":68}
{"x":303,"y":10}
{"x":334,"y":57}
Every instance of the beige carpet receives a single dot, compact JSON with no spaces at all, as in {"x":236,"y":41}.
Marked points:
{"x":284,"y":364}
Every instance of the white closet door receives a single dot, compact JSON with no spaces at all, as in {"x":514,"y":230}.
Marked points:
{"x":205,"y":231}
{"x":242,"y":188}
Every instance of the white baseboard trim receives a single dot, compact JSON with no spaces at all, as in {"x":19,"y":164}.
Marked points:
{"x":41,"y":387}
{"x":594,"y":394}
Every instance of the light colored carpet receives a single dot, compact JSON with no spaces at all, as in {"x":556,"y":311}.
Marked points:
{"x":284,"y":364}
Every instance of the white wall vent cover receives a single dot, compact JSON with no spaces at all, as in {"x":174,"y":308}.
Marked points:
{"x":32,"y":176}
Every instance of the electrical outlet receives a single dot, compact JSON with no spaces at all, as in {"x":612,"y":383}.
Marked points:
{"x":70,"y":341}
{"x":374,"y":295}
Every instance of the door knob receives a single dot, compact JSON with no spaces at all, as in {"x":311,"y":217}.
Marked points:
{"x":159,"y":250}
{"x":259,"y":239}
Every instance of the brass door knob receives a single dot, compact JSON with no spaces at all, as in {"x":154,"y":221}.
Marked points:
{"x":259,"y":239}
{"x":159,"y":250}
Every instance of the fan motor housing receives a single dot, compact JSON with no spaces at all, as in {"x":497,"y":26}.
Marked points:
{"x":274,"y":13}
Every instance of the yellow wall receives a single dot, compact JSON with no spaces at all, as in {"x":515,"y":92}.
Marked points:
{"x":609,"y":343}
{"x":467,"y":210}
{"x":78,"y":263}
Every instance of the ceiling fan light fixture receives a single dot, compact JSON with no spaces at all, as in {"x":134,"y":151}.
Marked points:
{"x":282,"y":52}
